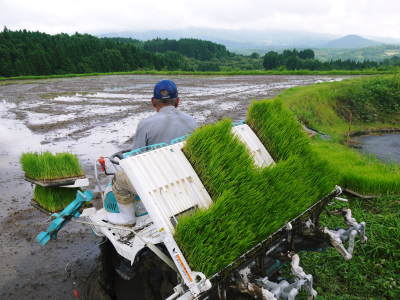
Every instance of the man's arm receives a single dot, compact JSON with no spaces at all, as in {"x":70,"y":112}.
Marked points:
{"x":140,"y":137}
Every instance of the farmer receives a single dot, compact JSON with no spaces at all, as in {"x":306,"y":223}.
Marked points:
{"x":168,"y":123}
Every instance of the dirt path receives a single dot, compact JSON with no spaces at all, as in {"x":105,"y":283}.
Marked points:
{"x":90,"y":117}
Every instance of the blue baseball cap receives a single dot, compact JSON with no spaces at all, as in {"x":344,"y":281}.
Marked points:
{"x":165,"y":89}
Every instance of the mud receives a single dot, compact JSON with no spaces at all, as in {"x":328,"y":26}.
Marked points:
{"x":90,"y":117}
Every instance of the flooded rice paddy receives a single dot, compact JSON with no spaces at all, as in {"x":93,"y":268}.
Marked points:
{"x":90,"y":117}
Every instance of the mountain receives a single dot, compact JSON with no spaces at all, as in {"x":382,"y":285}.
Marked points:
{"x":237,"y":40}
{"x":351,"y":41}
{"x":385,"y":40}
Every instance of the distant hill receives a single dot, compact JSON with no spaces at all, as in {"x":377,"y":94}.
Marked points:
{"x":236,"y":40}
{"x":376,"y":53}
{"x":247,"y":41}
{"x":351,"y":41}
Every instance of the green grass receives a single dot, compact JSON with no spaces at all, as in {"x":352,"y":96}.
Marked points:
{"x":54,"y":198}
{"x":373,"y":272}
{"x":47,"y":166}
{"x":209,"y":73}
{"x":250,"y":203}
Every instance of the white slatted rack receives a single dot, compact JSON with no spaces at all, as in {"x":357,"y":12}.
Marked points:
{"x":257,"y":150}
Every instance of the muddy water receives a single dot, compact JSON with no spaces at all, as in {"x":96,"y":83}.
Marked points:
{"x":385,"y":147}
{"x":90,"y":117}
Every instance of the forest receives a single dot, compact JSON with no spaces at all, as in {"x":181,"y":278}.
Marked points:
{"x":34,"y":53}
{"x":24,"y":52}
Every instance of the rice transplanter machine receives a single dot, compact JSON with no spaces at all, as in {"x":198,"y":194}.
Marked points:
{"x":168,"y":187}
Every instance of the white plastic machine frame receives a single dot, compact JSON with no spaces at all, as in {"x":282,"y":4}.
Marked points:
{"x":168,"y":187}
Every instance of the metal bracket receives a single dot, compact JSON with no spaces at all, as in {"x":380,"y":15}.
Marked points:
{"x":337,"y":237}
{"x":286,"y":290}
{"x":265,"y":289}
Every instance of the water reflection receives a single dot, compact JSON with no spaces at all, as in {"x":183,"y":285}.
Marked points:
{"x":385,"y":147}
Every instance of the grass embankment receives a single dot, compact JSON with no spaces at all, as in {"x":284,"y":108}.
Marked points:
{"x":46,"y":166}
{"x":208,"y":73}
{"x":250,"y":203}
{"x":342,"y":108}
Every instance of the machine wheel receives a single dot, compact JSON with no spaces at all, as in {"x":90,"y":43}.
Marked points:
{"x":154,"y":280}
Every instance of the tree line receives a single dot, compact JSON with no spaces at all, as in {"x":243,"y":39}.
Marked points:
{"x":305,"y":60}
{"x":194,"y":48}
{"x":24,"y":52}
{"x":34,"y":53}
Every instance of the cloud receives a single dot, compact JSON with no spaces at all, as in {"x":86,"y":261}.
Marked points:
{"x":366,"y":17}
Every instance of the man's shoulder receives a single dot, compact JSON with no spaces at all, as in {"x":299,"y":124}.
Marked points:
{"x":158,"y":117}
{"x":148,"y":120}
{"x":186,"y":115}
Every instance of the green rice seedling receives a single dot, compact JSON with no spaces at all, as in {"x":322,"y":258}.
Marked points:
{"x":250,"y":203}
{"x":278,"y":129}
{"x":362,"y":173}
{"x":47,"y":166}
{"x":54,"y":198}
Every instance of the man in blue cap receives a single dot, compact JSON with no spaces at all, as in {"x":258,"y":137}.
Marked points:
{"x":168,"y":123}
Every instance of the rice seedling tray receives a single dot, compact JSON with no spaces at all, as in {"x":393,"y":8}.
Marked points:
{"x":54,"y":182}
{"x":284,"y":240}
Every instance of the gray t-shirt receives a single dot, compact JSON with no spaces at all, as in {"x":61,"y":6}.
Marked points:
{"x":169,"y":123}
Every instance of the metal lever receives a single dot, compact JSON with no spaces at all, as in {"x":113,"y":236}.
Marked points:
{"x":62,"y":218}
{"x":341,"y":199}
{"x":337,"y":237}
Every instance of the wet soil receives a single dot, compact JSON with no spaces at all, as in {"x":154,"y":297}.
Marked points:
{"x":89,"y":117}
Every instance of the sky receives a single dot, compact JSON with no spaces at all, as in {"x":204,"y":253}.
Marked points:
{"x":379,"y":18}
